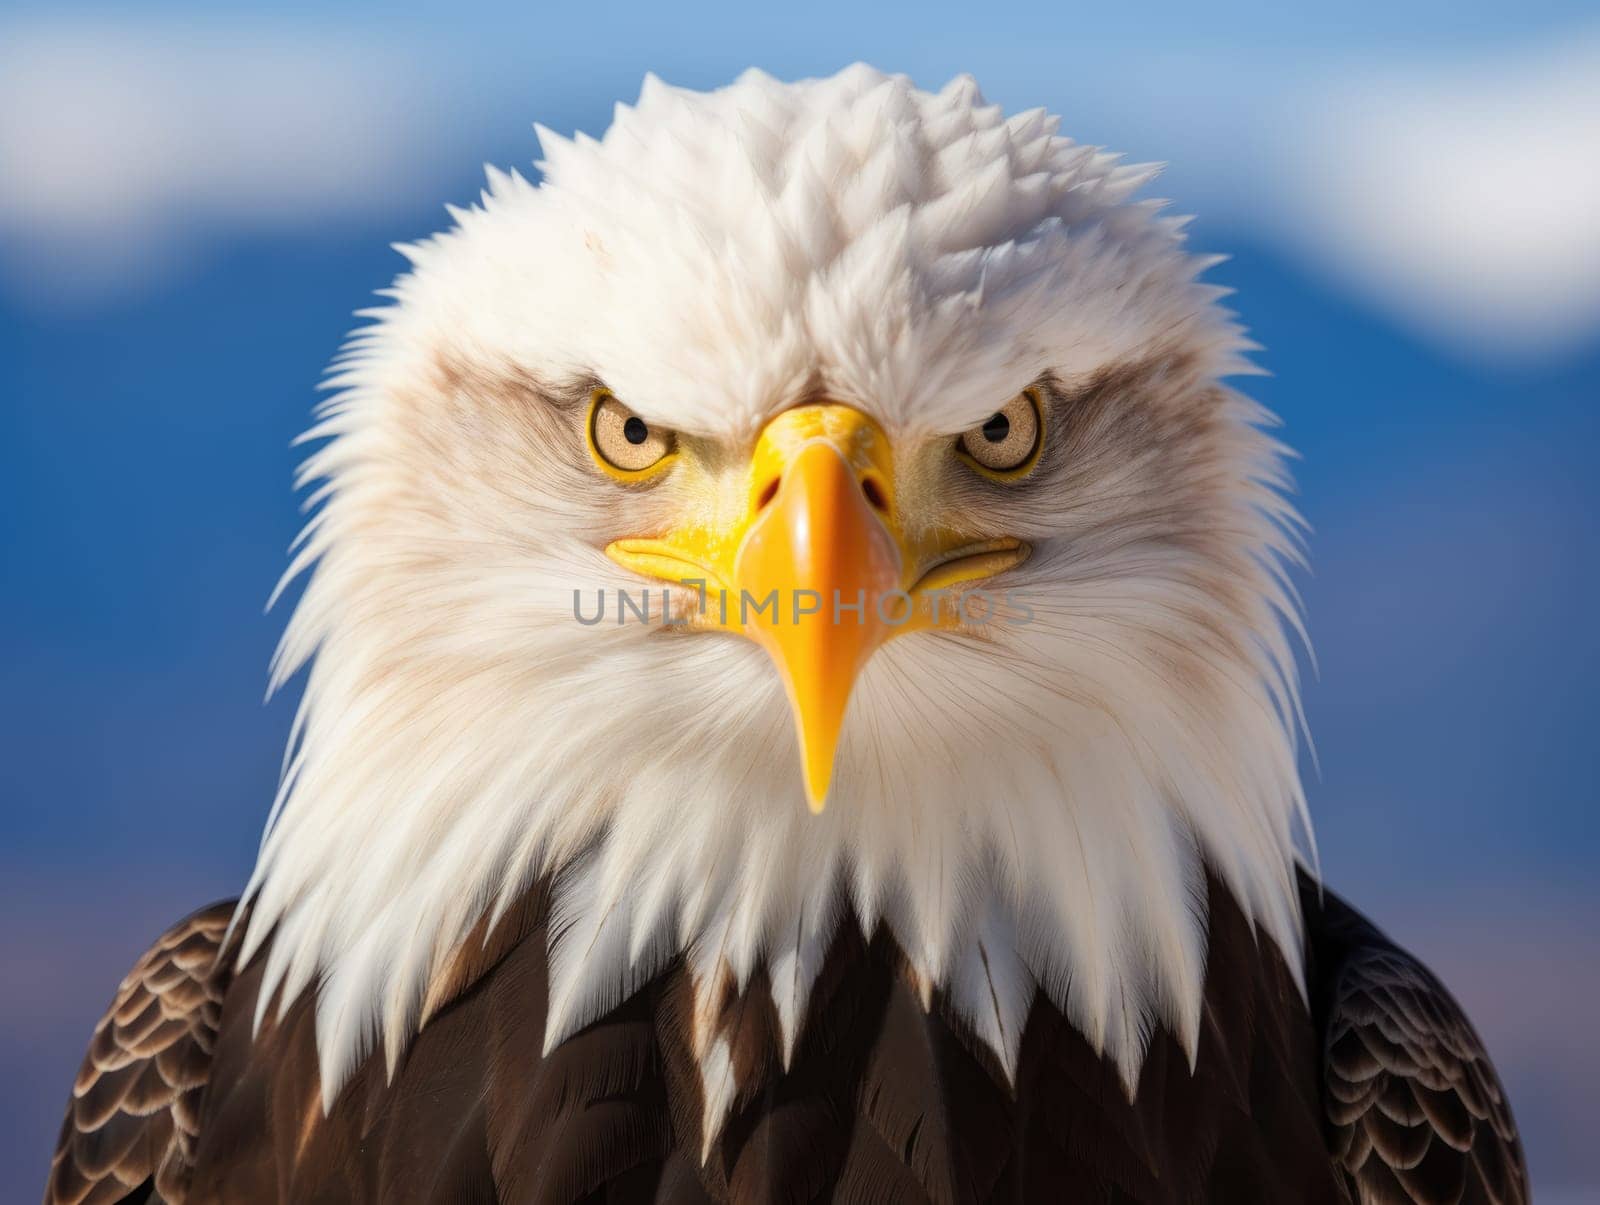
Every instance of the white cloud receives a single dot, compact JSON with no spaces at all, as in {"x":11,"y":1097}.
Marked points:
{"x":1459,"y":192}
{"x":1463,"y":198}
{"x":124,"y":149}
{"x":1460,"y":196}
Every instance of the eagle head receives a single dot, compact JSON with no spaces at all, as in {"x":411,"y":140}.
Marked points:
{"x":793,"y":444}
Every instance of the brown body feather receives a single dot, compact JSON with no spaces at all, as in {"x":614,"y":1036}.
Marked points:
{"x":1417,"y":1112}
{"x":1382,"y":1093}
{"x":135,"y":1111}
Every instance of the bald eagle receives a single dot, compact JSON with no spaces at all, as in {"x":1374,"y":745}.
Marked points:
{"x":801,"y":705}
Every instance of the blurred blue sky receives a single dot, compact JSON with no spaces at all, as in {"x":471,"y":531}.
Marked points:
{"x":192,"y":205}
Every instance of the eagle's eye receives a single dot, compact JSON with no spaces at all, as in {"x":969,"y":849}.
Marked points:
{"x":1006,"y":444}
{"x":623,"y":443}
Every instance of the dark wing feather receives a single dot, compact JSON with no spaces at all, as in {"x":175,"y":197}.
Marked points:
{"x":135,"y":1109}
{"x":1417,"y":1114}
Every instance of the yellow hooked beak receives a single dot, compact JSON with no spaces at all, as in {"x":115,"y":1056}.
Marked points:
{"x":819,"y":570}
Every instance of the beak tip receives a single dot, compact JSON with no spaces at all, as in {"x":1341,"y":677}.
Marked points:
{"x":817,"y":779}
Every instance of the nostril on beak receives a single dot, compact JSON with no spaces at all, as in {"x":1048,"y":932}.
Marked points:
{"x":873,"y":492}
{"x":768,"y":493}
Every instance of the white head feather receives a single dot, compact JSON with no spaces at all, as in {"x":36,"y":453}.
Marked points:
{"x":1034,"y":812}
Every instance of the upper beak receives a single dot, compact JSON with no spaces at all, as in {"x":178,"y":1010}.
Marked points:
{"x":819,"y":542}
{"x":820,"y":572}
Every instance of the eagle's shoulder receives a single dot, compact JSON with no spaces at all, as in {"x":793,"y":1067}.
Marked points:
{"x":1415,"y":1111}
{"x":134,"y":1113}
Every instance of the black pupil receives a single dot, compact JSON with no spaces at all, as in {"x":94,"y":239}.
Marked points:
{"x":996,"y":429}
{"x":634,"y":430}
